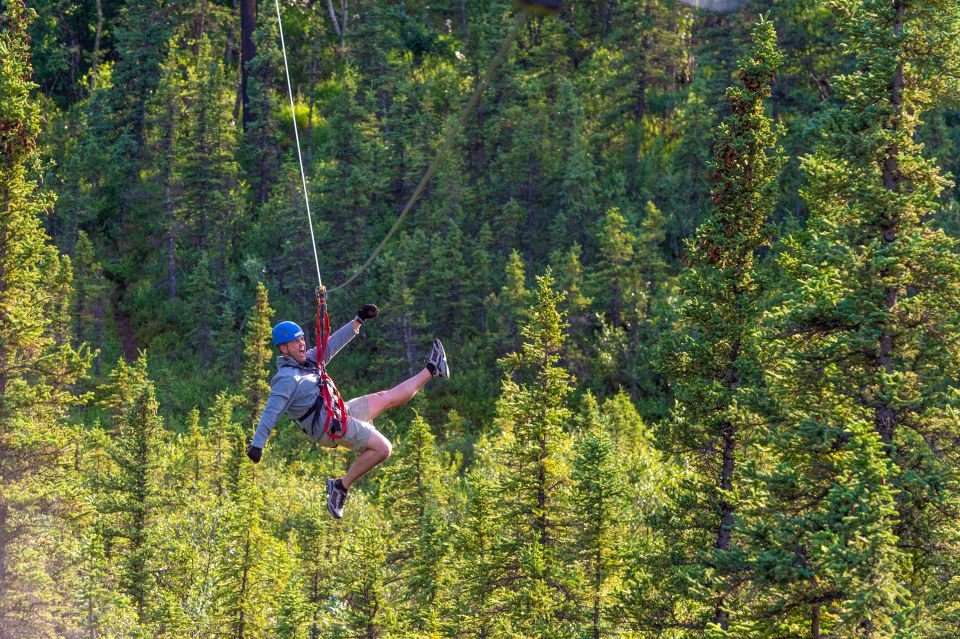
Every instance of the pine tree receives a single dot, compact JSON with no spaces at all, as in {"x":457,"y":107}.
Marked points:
{"x":253,"y":567}
{"x":350,"y":173}
{"x":476,"y":559}
{"x":406,"y":319}
{"x":257,"y":354}
{"x":616,"y":288}
{"x":370,"y":609}
{"x":90,"y":297}
{"x":204,"y":297}
{"x":35,"y":370}
{"x":568,"y":271}
{"x":513,"y":300}
{"x":578,"y":186}
{"x":533,"y":484}
{"x":204,"y":172}
{"x":869,"y":315}
{"x":654,"y":313}
{"x":713,"y":360}
{"x":142,"y":37}
{"x":654,"y":38}
{"x":261,"y":147}
{"x":132,"y":492}
{"x":317,"y":561}
{"x":415,"y":492}
{"x":599,"y":493}
{"x":615,"y":282}
{"x":227,"y":443}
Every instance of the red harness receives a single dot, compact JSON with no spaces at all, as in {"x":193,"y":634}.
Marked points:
{"x":335,"y":424}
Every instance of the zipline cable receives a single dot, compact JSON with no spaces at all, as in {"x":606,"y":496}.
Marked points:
{"x":296,"y":135}
{"x":448,"y":138}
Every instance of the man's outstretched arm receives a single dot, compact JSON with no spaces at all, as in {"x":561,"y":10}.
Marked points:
{"x":281,"y":396}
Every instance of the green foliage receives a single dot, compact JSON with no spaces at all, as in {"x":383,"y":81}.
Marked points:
{"x":599,"y":492}
{"x":588,"y":492}
{"x":871,"y":287}
{"x":713,"y":361}
{"x":37,"y":363}
{"x":533,"y":475}
{"x":257,"y":355}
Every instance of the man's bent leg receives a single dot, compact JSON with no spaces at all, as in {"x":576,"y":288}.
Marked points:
{"x":396,"y":396}
{"x":378,"y":449}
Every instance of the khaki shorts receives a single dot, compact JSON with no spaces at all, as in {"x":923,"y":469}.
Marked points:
{"x":359,"y":427}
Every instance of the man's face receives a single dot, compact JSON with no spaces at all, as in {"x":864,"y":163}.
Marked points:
{"x":297,"y":349}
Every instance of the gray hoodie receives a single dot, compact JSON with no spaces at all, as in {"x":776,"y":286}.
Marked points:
{"x":294,"y":389}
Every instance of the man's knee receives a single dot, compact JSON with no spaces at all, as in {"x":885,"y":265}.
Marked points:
{"x":381,"y":445}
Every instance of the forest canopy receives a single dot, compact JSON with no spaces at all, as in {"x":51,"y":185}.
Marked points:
{"x":697,"y":274}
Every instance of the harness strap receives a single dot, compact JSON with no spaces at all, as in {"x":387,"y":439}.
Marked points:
{"x":335,"y":424}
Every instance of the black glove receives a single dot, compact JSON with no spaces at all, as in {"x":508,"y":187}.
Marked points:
{"x":369,"y":311}
{"x":254,"y":453}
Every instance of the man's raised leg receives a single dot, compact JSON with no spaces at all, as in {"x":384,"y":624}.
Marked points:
{"x":396,"y":396}
{"x":378,"y":447}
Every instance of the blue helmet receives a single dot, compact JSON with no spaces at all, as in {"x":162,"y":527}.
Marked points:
{"x":286,"y":332}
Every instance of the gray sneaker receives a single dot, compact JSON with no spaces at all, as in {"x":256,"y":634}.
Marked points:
{"x":336,"y":496}
{"x":438,"y":358}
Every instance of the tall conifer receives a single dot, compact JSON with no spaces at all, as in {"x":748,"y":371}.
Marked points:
{"x":35,"y":370}
{"x":415,"y":490}
{"x":257,"y":355}
{"x":868,"y":332}
{"x":713,"y":359}
{"x":599,"y":494}
{"x":133,"y":495}
{"x":534,"y":480}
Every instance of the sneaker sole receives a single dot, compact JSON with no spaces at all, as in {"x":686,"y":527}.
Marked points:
{"x":330,"y":483}
{"x":444,"y":368}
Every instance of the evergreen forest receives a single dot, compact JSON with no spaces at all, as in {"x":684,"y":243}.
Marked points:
{"x":696,"y":269}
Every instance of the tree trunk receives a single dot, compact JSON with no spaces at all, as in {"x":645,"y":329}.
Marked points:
{"x":248,"y":22}
{"x":243,"y":586}
{"x":728,"y":436}
{"x":542,"y":492}
{"x":96,"y":46}
{"x":885,"y":418}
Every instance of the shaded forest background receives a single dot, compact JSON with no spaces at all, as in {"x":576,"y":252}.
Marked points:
{"x":696,"y":274}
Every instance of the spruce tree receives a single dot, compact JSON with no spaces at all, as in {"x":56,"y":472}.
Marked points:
{"x":253,"y":567}
{"x":475,"y":558}
{"x":615,"y":281}
{"x":714,"y":363}
{"x":615,"y":285}
{"x":204,"y":298}
{"x":415,"y":491}
{"x":599,"y":493}
{"x":261,"y":146}
{"x":35,"y":370}
{"x":534,"y":478}
{"x":133,"y":495}
{"x":204,"y":171}
{"x":227,"y":443}
{"x":512,"y":301}
{"x":868,"y":321}
{"x":370,"y":606}
{"x":317,"y":560}
{"x":579,"y":190}
{"x":257,"y":355}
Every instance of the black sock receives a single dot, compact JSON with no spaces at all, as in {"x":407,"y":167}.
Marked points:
{"x":339,"y":484}
{"x":432,"y":368}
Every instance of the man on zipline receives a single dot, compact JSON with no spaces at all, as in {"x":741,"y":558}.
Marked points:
{"x":297,"y":391}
